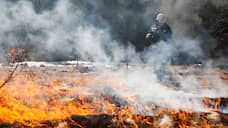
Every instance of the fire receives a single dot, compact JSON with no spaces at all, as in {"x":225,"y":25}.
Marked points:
{"x":224,"y":76}
{"x":16,"y":55}
{"x":32,"y":100}
{"x":27,"y":100}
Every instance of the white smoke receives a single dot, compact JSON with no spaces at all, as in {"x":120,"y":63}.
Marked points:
{"x":144,"y":84}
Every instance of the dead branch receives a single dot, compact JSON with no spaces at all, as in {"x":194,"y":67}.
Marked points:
{"x":9,"y":77}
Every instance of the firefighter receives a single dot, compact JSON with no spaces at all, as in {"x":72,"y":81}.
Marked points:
{"x":160,"y":30}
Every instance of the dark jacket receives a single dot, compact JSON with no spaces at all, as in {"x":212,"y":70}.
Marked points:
{"x":159,"y":32}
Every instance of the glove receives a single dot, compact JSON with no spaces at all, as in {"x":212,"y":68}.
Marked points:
{"x":148,"y":35}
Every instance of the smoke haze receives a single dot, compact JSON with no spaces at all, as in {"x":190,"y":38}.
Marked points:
{"x":110,"y":33}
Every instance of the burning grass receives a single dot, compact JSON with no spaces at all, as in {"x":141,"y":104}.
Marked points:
{"x":36,"y":97}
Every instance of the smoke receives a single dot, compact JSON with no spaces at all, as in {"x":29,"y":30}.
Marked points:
{"x":55,"y":32}
{"x":66,"y":30}
{"x":145,"y":85}
{"x":101,"y":31}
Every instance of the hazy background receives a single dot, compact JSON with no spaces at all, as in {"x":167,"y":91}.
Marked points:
{"x":109,"y":30}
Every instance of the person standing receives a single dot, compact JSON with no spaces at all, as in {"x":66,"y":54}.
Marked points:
{"x":160,"y":30}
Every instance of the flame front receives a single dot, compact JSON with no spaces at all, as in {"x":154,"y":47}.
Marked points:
{"x":32,"y":99}
{"x":29,"y":100}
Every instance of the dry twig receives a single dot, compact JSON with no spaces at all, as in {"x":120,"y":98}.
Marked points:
{"x":9,"y":77}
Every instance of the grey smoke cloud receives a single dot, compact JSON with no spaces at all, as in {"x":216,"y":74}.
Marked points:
{"x":57,"y":31}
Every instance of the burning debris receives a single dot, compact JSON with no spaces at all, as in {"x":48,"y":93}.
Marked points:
{"x":17,"y":55}
{"x":52,"y":98}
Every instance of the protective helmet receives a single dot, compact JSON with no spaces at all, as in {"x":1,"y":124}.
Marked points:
{"x":161,"y":18}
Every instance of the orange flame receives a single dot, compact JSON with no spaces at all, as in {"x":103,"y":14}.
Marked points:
{"x":31,"y":100}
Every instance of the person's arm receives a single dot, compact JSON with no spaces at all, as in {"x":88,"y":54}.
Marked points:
{"x":168,"y":32}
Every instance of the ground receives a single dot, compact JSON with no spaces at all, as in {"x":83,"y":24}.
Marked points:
{"x":70,"y":94}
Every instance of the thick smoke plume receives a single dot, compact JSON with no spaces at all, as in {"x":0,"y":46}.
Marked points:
{"x":50,"y":29}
